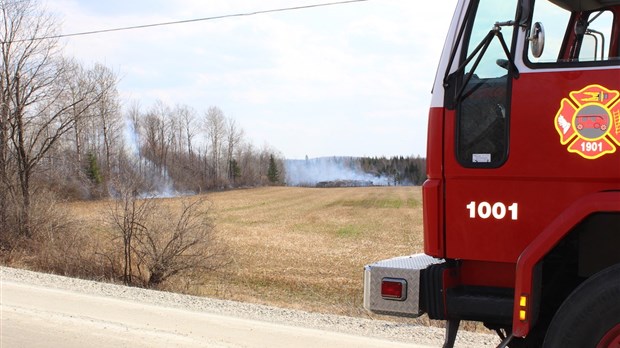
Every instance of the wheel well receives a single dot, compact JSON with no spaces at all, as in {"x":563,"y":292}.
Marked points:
{"x":589,"y":247}
{"x":599,"y":239}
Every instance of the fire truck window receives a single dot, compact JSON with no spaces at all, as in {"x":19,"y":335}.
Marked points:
{"x":596,"y":34}
{"x":483,"y":108}
{"x":554,"y":19}
{"x":595,"y":44}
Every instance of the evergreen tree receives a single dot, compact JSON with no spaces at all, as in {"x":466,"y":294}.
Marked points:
{"x":92,"y":170}
{"x":273,"y":174}
{"x":235,"y":171}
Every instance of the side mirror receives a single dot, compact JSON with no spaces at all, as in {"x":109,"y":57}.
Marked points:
{"x":537,"y":40}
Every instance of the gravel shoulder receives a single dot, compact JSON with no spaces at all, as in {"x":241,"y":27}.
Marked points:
{"x":360,"y":327}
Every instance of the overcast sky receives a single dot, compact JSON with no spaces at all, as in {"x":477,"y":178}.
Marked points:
{"x":343,"y":80}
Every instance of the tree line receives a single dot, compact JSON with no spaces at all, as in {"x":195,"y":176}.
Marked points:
{"x":187,"y":151}
{"x":356,"y":171}
{"x":400,"y":170}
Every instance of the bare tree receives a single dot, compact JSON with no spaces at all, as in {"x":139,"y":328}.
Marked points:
{"x":188,"y":128}
{"x":246,"y":156}
{"x":179,"y":242}
{"x":215,"y":126}
{"x":6,"y":195}
{"x":131,"y":142}
{"x":234,"y":135}
{"x":95,"y":132}
{"x":80,"y":127}
{"x":35,"y":92}
{"x":129,"y":214}
{"x":106,"y":111}
{"x":159,"y":241}
{"x":159,"y":135}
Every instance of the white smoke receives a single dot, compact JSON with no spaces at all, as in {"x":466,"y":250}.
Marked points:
{"x":132,"y":140}
{"x":160,"y":183}
{"x":310,"y":172}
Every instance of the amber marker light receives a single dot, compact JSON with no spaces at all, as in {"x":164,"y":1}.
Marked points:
{"x":523,"y":308}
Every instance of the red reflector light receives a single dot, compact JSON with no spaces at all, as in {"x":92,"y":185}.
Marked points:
{"x":394,"y":289}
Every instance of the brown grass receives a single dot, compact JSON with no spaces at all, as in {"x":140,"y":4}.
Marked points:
{"x":301,"y":248}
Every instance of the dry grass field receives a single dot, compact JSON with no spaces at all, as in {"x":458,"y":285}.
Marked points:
{"x":301,"y":248}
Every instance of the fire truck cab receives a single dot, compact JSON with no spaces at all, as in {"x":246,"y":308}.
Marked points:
{"x":522,"y":197}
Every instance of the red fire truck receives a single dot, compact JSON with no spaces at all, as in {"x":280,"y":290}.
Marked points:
{"x":591,"y":121}
{"x":521,"y":205}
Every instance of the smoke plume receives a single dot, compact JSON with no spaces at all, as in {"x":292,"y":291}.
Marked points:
{"x":312,"y":172}
{"x":157,"y":181}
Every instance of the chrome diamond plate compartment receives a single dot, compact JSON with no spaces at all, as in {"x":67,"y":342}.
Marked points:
{"x":404,"y":267}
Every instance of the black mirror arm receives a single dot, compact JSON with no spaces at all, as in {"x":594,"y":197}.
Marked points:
{"x":481,"y":48}
{"x":500,"y":36}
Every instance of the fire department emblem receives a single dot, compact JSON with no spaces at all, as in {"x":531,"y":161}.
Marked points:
{"x":590,"y":121}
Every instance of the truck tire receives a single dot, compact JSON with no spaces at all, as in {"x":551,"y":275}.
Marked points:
{"x":590,"y":316}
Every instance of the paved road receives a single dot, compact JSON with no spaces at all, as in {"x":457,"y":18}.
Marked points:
{"x":35,"y":316}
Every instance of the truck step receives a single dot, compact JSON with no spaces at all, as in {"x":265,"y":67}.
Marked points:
{"x":486,"y":304}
